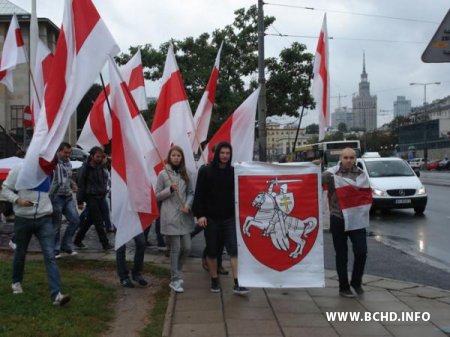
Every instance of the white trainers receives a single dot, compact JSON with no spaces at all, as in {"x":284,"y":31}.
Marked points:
{"x":16,"y":288}
{"x":176,"y":286}
{"x":12,"y":245}
{"x":61,"y":299}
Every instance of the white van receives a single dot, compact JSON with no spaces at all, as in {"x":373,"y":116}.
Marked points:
{"x":394,"y":184}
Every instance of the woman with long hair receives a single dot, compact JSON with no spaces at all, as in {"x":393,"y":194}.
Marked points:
{"x":175,"y":192}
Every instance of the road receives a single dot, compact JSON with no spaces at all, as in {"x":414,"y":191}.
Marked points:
{"x":426,"y":237}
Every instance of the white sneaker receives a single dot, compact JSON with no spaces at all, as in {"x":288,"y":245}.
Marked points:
{"x":176,"y":286}
{"x":12,"y":245}
{"x":61,"y":299}
{"x":17,"y":288}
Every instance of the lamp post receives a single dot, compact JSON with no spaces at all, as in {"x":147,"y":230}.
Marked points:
{"x":425,"y":122}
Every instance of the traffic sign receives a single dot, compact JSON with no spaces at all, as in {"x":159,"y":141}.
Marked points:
{"x":438,"y":50}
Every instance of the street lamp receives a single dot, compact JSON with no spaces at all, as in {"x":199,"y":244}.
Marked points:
{"x":425,"y":137}
{"x":425,"y":89}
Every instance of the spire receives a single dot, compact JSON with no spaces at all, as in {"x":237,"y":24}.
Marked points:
{"x":364,"y":74}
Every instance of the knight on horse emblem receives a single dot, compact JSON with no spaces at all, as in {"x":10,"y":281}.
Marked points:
{"x":273,"y":218}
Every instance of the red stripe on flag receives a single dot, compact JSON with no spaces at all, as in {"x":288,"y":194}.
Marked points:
{"x":222,"y":135}
{"x":56,"y":87}
{"x":349,"y":196}
{"x":136,"y":78}
{"x":131,"y":103}
{"x":172,"y":92}
{"x":2,"y":74}
{"x":19,"y":38}
{"x":118,"y":154}
{"x":46,"y":67}
{"x":97,"y":118}
{"x":212,"y":84}
{"x":85,"y":18}
{"x":323,"y":72}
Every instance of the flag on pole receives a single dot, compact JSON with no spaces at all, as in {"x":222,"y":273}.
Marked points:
{"x":238,"y":130}
{"x":354,"y":199}
{"x":13,"y":48}
{"x":202,"y":116}
{"x":321,"y":80}
{"x":83,"y":46}
{"x":133,"y":201}
{"x":173,"y":122}
{"x":279,"y":225}
{"x":97,"y":129}
{"x":13,"y":53}
{"x":42,"y":67}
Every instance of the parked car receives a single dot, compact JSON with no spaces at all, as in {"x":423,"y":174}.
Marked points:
{"x":394,"y":184}
{"x":433,"y":165}
{"x":444,"y":164}
{"x":78,"y":154}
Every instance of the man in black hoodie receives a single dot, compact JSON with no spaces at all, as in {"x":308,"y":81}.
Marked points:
{"x":214,"y":208}
{"x":92,"y":189}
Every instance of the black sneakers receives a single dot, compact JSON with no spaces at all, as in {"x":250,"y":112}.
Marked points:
{"x":238,"y":290}
{"x":140,"y":280}
{"x":215,"y":285}
{"x":358,"y":289}
{"x":346,"y":293}
{"x":126,"y":283}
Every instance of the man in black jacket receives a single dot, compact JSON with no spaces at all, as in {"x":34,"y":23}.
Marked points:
{"x":214,"y":208}
{"x":92,"y":190}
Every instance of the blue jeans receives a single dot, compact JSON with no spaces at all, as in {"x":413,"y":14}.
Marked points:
{"x":42,"y":228}
{"x":64,"y":205}
{"x":121,"y":261}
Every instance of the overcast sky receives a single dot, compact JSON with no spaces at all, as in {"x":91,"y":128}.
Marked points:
{"x":391,"y":66}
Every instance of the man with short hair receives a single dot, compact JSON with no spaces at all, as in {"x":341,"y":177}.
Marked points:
{"x":214,"y":208}
{"x":33,"y":211}
{"x":63,"y":202}
{"x":353,"y":224}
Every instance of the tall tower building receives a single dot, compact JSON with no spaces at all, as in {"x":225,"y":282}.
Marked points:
{"x":402,"y":106}
{"x":365,"y":105}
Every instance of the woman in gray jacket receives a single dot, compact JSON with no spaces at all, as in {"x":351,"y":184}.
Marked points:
{"x":174,"y":191}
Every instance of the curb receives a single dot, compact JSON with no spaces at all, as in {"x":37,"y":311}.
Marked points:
{"x":167,"y":327}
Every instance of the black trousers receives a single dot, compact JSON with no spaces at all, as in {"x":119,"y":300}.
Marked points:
{"x":94,"y":206}
{"x":358,"y":239}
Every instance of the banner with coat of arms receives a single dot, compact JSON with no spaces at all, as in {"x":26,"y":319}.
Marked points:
{"x":279,"y":225}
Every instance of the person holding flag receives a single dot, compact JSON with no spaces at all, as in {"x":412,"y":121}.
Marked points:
{"x":175,"y":192}
{"x":350,"y":199}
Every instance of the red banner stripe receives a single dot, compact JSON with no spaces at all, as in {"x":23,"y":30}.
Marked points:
{"x":97,"y":118}
{"x":222,"y":135}
{"x":19,"y":38}
{"x":118,"y":157}
{"x":136,"y":78}
{"x":56,"y":86}
{"x":212,"y":84}
{"x":349,"y":196}
{"x":172,"y":92}
{"x":323,"y":72}
{"x":85,"y":17}
{"x":131,"y":103}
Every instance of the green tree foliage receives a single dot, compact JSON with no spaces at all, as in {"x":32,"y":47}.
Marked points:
{"x":342,"y":127}
{"x":312,"y":129}
{"x":287,"y":76}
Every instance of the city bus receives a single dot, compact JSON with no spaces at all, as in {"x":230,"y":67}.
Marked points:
{"x":328,"y":152}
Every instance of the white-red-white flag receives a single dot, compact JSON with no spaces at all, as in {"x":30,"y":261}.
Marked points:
{"x":97,"y":129}
{"x":13,"y":48}
{"x":238,"y":130}
{"x":202,"y":116}
{"x":354,"y":198}
{"x":42,"y":67}
{"x":13,"y":53}
{"x":133,"y":201}
{"x":27,"y":117}
{"x":173,"y":122}
{"x":83,"y":46}
{"x":321,"y":80}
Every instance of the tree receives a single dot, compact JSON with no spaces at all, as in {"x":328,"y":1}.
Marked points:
{"x":287,"y":76}
{"x":342,"y":127}
{"x":312,"y":129}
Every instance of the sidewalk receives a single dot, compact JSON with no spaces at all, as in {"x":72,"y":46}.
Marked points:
{"x":302,"y":312}
{"x":285,"y":312}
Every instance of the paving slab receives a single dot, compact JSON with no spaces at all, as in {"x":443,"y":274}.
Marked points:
{"x":198,"y":330}
{"x":310,"y":332}
{"x":254,"y":327}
